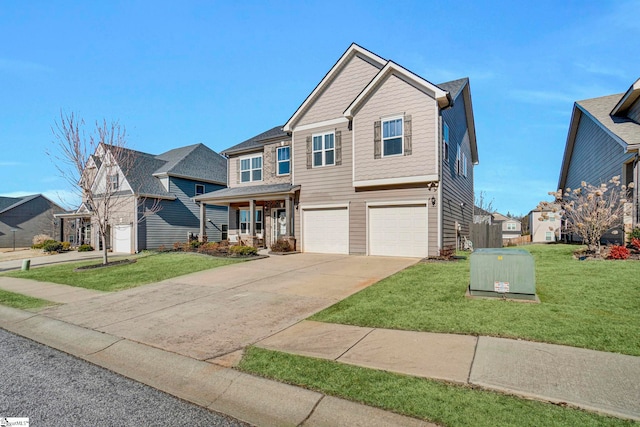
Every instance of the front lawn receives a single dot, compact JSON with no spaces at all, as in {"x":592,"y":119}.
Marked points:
{"x":22,"y":302}
{"x":439,"y":402}
{"x":590,"y":304}
{"x":149,"y":268}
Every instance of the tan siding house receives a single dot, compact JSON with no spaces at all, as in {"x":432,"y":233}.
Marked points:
{"x":366,"y":165}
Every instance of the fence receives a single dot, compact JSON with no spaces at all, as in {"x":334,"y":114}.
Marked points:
{"x":486,"y":235}
{"x":517,"y":241}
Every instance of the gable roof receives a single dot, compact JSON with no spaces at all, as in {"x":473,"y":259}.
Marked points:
{"x":275,"y":133}
{"x":600,"y":110}
{"x":8,"y":203}
{"x":627,"y":100}
{"x":351,"y":51}
{"x":457,"y":88}
{"x":196,"y":162}
{"x":391,"y":68}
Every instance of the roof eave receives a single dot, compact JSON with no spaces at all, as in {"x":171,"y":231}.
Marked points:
{"x":627,"y":99}
{"x":271,"y":195}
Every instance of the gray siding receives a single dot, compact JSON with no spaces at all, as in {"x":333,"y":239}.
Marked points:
{"x":457,"y":190}
{"x":179,"y":217}
{"x":596,"y":157}
{"x":337,"y":96}
{"x":395,"y":97}
{"x":634,"y":111}
{"x":333,"y":185}
{"x":29,"y":219}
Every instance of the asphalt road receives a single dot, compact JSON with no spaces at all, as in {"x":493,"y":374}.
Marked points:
{"x":53,"y":388}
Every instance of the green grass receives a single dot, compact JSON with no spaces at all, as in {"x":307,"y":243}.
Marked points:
{"x":590,"y":304}
{"x":20,"y":301}
{"x":149,"y":268}
{"x":430,"y":400}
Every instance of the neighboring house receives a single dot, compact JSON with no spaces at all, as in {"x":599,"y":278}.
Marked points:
{"x":155,"y":198}
{"x":603,"y":142}
{"x":376,"y":161}
{"x":545,"y":224}
{"x":481,"y":216}
{"x":22,"y":218}
{"x":511,"y":227}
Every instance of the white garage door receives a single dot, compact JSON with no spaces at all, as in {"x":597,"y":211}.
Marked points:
{"x":326,"y":230}
{"x":122,"y":238}
{"x":398,"y":231}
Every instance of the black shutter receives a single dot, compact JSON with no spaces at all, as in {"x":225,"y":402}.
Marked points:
{"x":407,"y":135}
{"x":338,"y":148}
{"x":377,"y":140}
{"x":309,"y":153}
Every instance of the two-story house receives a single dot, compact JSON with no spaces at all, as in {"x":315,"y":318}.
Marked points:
{"x":545,"y":224}
{"x":376,"y":160}
{"x":511,"y":227}
{"x":603,"y":141}
{"x":152,"y":198}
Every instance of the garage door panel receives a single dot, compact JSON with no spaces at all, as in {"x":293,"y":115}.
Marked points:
{"x":326,"y":231}
{"x":122,"y":238}
{"x":398,"y":231}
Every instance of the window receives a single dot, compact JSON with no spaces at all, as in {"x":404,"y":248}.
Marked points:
{"x":323,"y":150}
{"x":251,"y":169}
{"x":458,"y":160}
{"x":445,"y":139}
{"x":511,"y":226}
{"x":552,"y":217}
{"x":392,"y":144}
{"x":199,"y":189}
{"x":113,"y":181}
{"x":245,"y":219}
{"x":464,"y":164}
{"x":284,"y":162}
{"x":549,"y":236}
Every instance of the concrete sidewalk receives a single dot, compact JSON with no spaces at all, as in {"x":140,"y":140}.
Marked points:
{"x":603,"y":382}
{"x":71,"y":256}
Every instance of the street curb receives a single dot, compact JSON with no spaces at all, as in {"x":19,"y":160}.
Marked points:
{"x":251,"y":399}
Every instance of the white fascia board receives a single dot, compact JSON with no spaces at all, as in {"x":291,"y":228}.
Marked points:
{"x":349,"y":53}
{"x":395,"y":181}
{"x":390,"y":68}
{"x":623,"y":104}
{"x":331,"y":122}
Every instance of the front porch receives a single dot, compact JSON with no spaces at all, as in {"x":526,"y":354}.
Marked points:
{"x":259,"y":215}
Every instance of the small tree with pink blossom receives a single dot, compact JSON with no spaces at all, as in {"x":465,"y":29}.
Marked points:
{"x":589,"y":211}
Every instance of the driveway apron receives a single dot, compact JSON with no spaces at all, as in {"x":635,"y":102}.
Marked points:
{"x":211,"y":313}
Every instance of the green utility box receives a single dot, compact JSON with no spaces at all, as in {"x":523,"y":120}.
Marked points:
{"x":503,"y":273}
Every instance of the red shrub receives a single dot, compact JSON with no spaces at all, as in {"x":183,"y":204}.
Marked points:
{"x":635,"y":242}
{"x":619,"y":252}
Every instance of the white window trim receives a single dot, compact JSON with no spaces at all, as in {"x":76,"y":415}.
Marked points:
{"x":382,"y":138}
{"x":445,"y":142}
{"x":464,"y":164}
{"x":458,"y":159}
{"x":248,"y":210}
{"x":323,"y":150}
{"x":203,"y":189}
{"x":511,"y":226}
{"x":114,"y":181}
{"x":278,"y":161}
{"x":251,"y":169}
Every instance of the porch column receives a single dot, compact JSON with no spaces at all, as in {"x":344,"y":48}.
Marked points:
{"x":252,"y":215}
{"x":203,"y":221}
{"x":287,"y":207}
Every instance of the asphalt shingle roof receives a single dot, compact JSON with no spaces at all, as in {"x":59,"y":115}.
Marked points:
{"x":7,"y":202}
{"x":454,"y":86}
{"x":600,"y":109}
{"x":248,"y":191}
{"x":258,"y":140}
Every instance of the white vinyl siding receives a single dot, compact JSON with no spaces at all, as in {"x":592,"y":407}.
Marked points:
{"x":326,"y":230}
{"x":398,"y":231}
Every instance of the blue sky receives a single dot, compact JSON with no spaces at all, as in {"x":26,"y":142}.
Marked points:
{"x":179,"y":73}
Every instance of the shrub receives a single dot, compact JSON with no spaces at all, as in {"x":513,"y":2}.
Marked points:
{"x":66,"y":246}
{"x":242,"y":250}
{"x":208,"y":247}
{"x":282,"y":245}
{"x":85,"y":248}
{"x":635,"y":242}
{"x":635,"y":233}
{"x":618,"y":252}
{"x":194,"y":244}
{"x":52,"y":246}
{"x":39,"y":239}
{"x":447,"y":252}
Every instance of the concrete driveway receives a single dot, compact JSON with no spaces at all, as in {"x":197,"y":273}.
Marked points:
{"x":210,"y":314}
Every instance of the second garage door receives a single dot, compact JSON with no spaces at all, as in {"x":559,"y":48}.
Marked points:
{"x":326,"y":230}
{"x":398,"y":230}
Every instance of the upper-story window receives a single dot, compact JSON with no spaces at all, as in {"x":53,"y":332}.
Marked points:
{"x":251,"y":169}
{"x":511,"y":226}
{"x":113,"y":181}
{"x":323,"y":149}
{"x":464,"y":164}
{"x":392,"y":137}
{"x":284,"y":160}
{"x":445,"y":141}
{"x":552,"y":217}
{"x":199,"y":189}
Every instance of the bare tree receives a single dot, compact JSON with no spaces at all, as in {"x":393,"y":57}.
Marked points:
{"x":94,"y":165}
{"x":589,"y":211}
{"x":483,"y":202}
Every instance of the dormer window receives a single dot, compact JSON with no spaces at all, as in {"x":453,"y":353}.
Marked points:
{"x":113,"y":181}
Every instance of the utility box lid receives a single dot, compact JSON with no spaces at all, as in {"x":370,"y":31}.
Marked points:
{"x":508,"y":273}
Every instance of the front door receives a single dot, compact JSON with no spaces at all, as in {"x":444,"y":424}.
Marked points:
{"x":279,"y":217}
